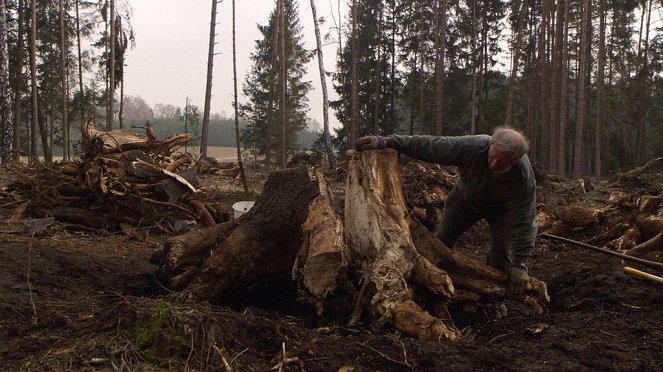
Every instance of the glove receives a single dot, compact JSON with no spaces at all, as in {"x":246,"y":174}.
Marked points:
{"x":518,"y":279}
{"x":370,"y":143}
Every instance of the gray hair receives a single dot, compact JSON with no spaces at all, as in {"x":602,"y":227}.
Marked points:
{"x":511,"y":141}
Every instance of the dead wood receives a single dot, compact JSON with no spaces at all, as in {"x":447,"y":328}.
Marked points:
{"x":322,"y":260}
{"x":576,"y":215}
{"x":637,"y":172}
{"x":649,"y":246}
{"x":264,"y":242}
{"x":397,"y":250}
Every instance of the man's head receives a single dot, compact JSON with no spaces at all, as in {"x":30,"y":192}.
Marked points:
{"x":506,"y":148}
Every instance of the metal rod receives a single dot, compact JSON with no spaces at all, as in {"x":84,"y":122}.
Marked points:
{"x":656,"y":265}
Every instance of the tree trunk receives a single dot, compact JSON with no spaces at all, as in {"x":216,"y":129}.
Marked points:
{"x":235,"y":107}
{"x":578,"y":164}
{"x":34,"y":126}
{"x":5,"y":99}
{"x":283,"y":155}
{"x":440,"y":46}
{"x":641,"y":138}
{"x":515,"y":56}
{"x":329,"y":151}
{"x":564,"y":92}
{"x":600,"y":95}
{"x":544,"y":85}
{"x":65,"y":87}
{"x":18,"y":84}
{"x":80,"y":64}
{"x":354,"y":94}
{"x":111,"y":72}
{"x":556,"y":82}
{"x":208,"y":86}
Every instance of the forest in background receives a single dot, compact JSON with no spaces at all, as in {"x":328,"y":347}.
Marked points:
{"x":582,"y":78}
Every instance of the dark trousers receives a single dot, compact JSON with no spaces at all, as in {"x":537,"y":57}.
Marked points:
{"x":459,"y":215}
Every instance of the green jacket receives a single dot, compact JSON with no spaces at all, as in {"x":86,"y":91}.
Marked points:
{"x":511,"y":197}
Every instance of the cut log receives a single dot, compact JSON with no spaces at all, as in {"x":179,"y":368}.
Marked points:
{"x":577,"y":216}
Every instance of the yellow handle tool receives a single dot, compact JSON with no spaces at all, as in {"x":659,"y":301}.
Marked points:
{"x":642,"y":274}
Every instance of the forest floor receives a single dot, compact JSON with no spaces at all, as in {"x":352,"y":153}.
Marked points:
{"x":85,"y":301}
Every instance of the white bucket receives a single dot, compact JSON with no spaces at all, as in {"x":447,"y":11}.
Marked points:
{"x":241,"y":208}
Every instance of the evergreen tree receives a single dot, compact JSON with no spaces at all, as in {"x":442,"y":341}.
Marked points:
{"x":262,"y":91}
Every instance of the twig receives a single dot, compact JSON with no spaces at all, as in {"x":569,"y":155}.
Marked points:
{"x":501,"y":336}
{"x":405,"y":363}
{"x":32,"y":301}
{"x":223,"y":359}
{"x":237,"y":356}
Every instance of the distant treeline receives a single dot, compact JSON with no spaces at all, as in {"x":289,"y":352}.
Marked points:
{"x":221,"y":131}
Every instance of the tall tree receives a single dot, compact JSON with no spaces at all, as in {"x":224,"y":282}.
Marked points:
{"x":236,"y":109}
{"x":354,"y":95}
{"x":583,"y":64}
{"x":282,"y":85}
{"x":5,"y":99}
{"x":208,"y":87}
{"x":18,"y":80}
{"x":34,"y":147}
{"x":262,"y":92}
{"x":65,"y":86}
{"x":600,"y":94}
{"x":515,"y":57}
{"x":111,"y":68}
{"x":440,"y":48}
{"x":326,"y":137}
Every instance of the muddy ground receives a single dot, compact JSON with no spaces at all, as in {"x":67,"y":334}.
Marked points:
{"x":80,"y":300}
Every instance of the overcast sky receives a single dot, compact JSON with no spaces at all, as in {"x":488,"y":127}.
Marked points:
{"x":169,"y":61}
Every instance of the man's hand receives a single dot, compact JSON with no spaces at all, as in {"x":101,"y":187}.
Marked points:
{"x":370,"y":143}
{"x":518,"y":279}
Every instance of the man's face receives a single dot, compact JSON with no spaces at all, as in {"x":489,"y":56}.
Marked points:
{"x":500,"y":161}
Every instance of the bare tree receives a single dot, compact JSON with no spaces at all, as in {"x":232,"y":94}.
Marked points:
{"x":18,"y":87}
{"x":282,"y":78}
{"x":515,"y":56}
{"x":440,"y":46}
{"x":208,"y":87}
{"x":600,"y":95}
{"x":583,"y":62}
{"x":235,"y":106}
{"x":564,"y":92}
{"x":111,"y":88}
{"x":5,"y":106}
{"x":80,"y":61}
{"x":65,"y":87}
{"x":34,"y":146}
{"x":354,"y":100}
{"x":641,"y":142}
{"x":325,"y":100}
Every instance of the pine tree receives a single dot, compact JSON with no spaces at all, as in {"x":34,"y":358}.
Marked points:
{"x":262,"y":91}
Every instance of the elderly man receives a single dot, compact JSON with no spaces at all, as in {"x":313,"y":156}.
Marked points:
{"x":496,"y":184}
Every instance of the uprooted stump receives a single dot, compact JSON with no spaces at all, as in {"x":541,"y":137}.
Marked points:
{"x":376,"y":256}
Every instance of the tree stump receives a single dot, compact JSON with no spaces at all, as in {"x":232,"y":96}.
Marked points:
{"x":292,"y":230}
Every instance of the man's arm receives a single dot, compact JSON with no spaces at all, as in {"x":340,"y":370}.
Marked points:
{"x":433,"y":149}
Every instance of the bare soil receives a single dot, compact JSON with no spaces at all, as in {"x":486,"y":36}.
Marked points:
{"x":80,"y":301}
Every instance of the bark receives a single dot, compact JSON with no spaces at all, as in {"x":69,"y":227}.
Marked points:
{"x":354,"y":93}
{"x":376,"y":257}
{"x":5,"y":100}
{"x":208,"y":86}
{"x":235,"y":107}
{"x":331,"y":160}
{"x":441,"y":46}
{"x":111,"y":72}
{"x":65,"y":87}
{"x":515,"y":57}
{"x":34,"y":126}
{"x":600,"y":96}
{"x":583,"y":66}
{"x":283,"y":156}
{"x":18,"y":84}
{"x":80,"y":63}
{"x":564,"y":107}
